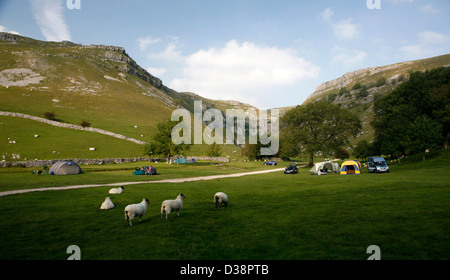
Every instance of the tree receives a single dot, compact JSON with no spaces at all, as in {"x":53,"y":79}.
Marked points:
{"x":425,"y":93}
{"x":342,"y":154}
{"x":162,"y":144}
{"x":424,"y":134}
{"x":50,"y":115}
{"x":85,"y":124}
{"x":214,"y":150}
{"x":251,"y":151}
{"x":363,"y":150}
{"x":320,"y":126}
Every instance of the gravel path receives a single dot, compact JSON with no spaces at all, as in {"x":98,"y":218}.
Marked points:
{"x":179,"y":180}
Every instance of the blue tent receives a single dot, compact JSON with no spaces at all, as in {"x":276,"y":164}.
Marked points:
{"x":181,"y":161}
{"x":192,"y":160}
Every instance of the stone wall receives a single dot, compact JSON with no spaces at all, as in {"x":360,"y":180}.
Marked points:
{"x":42,"y":163}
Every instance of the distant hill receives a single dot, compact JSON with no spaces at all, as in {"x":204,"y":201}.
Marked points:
{"x":359,"y":89}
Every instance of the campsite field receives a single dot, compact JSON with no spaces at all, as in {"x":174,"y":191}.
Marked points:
{"x":272,"y":217}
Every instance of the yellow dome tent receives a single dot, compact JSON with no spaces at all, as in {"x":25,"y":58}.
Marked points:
{"x":350,"y":167}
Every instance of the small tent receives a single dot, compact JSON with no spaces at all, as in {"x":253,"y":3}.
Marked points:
{"x":325,"y":167}
{"x":351,"y":167}
{"x":180,"y":161}
{"x":65,"y":168}
{"x":192,"y":160}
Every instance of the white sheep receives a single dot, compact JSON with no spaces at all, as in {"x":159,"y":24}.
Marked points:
{"x":107,"y":204}
{"x":116,"y":190}
{"x":220,"y":198}
{"x":136,"y":210}
{"x":171,"y":205}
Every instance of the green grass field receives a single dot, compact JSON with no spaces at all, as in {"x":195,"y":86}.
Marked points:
{"x":269,"y":217}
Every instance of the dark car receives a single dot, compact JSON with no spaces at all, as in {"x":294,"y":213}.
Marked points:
{"x":292,"y":169}
{"x":270,"y":163}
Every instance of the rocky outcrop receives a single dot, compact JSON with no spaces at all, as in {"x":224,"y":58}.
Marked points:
{"x":118,"y":54}
{"x":350,"y":77}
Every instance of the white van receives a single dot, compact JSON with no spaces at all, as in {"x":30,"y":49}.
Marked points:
{"x":377,"y":165}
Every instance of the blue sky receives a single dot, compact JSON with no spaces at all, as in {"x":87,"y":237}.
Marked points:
{"x":266,"y":53}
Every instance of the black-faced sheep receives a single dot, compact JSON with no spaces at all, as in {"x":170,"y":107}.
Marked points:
{"x":136,"y":210}
{"x":171,"y":205}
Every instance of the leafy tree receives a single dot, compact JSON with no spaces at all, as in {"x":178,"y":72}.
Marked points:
{"x":425,"y":93}
{"x":423,"y":134}
{"x":162,"y":144}
{"x":342,"y":154}
{"x":363,"y":150}
{"x":214,"y":150}
{"x":251,"y":151}
{"x":288,"y":147}
{"x":85,"y":124}
{"x":50,"y":115}
{"x":320,"y":126}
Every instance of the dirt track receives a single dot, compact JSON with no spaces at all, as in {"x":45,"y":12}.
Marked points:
{"x":179,"y":180}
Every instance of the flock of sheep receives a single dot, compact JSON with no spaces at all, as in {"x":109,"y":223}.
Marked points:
{"x":138,"y":210}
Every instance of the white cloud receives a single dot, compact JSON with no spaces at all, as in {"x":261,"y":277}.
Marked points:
{"x":326,"y":15}
{"x":400,"y":1}
{"x":50,"y":19}
{"x":5,"y":29}
{"x":156,"y":71}
{"x":170,"y":53}
{"x":430,"y":9}
{"x":348,"y":57}
{"x":145,"y":42}
{"x":241,"y":71}
{"x":345,"y":29}
{"x":428,"y":44}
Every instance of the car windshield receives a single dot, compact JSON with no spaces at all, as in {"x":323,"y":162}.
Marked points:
{"x":380,"y":163}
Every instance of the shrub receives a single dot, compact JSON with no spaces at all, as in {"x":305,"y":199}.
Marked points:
{"x":85,"y":124}
{"x":357,"y":86}
{"x":50,"y":115}
{"x":381,"y":82}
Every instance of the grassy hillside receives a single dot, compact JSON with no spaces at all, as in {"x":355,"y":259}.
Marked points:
{"x":82,"y":84}
{"x":58,"y":143}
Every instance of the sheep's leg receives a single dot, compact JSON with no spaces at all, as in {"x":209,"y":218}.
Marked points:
{"x":178,"y":213}
{"x":140,"y":219}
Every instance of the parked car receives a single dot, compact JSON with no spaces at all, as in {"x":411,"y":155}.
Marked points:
{"x":291,"y":169}
{"x":270,"y":163}
{"x":377,"y":165}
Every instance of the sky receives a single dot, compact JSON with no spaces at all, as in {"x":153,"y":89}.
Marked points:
{"x":262,"y":52}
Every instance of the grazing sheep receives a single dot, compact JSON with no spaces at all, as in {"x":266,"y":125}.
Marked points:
{"x":107,"y":204}
{"x":220,"y":198}
{"x":170,"y":205}
{"x":116,"y":190}
{"x":136,"y":210}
